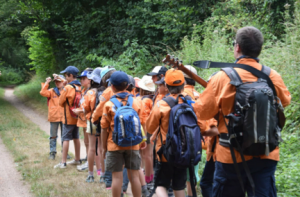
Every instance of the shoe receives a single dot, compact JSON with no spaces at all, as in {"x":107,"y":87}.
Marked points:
{"x":52,"y":156}
{"x":145,"y":193}
{"x":84,"y":159}
{"x":150,"y":185}
{"x":170,"y":192}
{"x":83,"y":167}
{"x":108,"y":187}
{"x":61,"y":165}
{"x":90,"y":179}
{"x":68,"y":156}
{"x":73,"y":162}
{"x":102,"y":179}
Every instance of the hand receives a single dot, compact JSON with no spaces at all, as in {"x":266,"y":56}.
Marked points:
{"x":104,"y":153}
{"x":65,"y":82}
{"x":143,"y":145}
{"x":48,"y":80}
{"x":77,"y":111}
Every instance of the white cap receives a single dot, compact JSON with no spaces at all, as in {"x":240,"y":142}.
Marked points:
{"x":192,"y":69}
{"x":146,"y":83}
{"x":154,"y":71}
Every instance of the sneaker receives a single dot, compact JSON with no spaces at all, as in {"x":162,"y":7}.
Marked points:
{"x":150,"y":185}
{"x":68,"y":156}
{"x":84,"y":159}
{"x":102,"y":179}
{"x":74,"y":162}
{"x":170,"y":192}
{"x":145,"y":193}
{"x":90,"y":179}
{"x":108,"y":187}
{"x":83,"y":167}
{"x":52,"y":156}
{"x":61,"y":165}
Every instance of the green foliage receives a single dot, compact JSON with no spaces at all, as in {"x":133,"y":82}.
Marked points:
{"x":13,"y":76}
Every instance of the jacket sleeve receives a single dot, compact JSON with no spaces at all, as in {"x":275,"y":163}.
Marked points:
{"x":88,"y":100}
{"x":282,"y":92}
{"x":146,"y":109}
{"x":63,"y":96}
{"x":106,"y":117}
{"x":154,"y":118}
{"x":44,"y":91}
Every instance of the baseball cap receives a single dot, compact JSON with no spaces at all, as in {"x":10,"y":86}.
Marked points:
{"x":95,"y":75}
{"x":131,"y":81}
{"x":59,"y":78}
{"x":146,"y":83}
{"x":174,"y":77}
{"x":84,"y":73}
{"x":162,"y":71}
{"x":105,"y":70}
{"x":190,"y":68}
{"x":154,"y":71}
{"x":118,"y":77}
{"x":71,"y":69}
{"x":161,"y":81}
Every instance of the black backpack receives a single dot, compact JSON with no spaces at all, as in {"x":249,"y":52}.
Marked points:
{"x":254,"y":127}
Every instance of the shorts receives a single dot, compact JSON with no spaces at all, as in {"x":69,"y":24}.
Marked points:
{"x":116,"y":159}
{"x":196,"y":168}
{"x":70,"y":132}
{"x":148,"y":138}
{"x":166,"y":173}
{"x":88,"y":128}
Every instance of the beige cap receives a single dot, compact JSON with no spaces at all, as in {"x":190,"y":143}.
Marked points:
{"x":146,"y":83}
{"x":154,"y":71}
{"x":192,"y":69}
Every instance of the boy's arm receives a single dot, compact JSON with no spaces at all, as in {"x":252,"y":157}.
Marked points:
{"x":213,"y":131}
{"x":153,"y":120}
{"x":44,"y":91}
{"x":104,"y":136}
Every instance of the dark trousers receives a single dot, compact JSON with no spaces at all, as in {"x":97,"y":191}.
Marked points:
{"x":206,"y":182}
{"x":227,"y":184}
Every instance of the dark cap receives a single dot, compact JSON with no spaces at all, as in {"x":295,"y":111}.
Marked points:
{"x":71,"y":69}
{"x":84,"y":73}
{"x":162,"y":71}
{"x":161,"y":81}
{"x":131,"y":81}
{"x":118,"y":77}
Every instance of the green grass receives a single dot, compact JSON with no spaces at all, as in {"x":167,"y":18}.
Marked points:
{"x":1,"y":92}
{"x":30,"y":149}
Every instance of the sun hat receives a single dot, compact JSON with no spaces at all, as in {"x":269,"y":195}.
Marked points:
{"x":190,"y":68}
{"x":95,"y":75}
{"x":105,"y":70}
{"x":59,"y":78}
{"x":146,"y":83}
{"x":174,"y":77}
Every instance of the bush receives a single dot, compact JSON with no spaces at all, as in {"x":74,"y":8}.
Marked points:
{"x":13,"y":76}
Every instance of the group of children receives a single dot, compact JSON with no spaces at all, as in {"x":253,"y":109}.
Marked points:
{"x":88,"y":104}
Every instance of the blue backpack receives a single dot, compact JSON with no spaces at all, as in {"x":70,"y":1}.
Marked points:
{"x":127,"y":131}
{"x":183,"y":147}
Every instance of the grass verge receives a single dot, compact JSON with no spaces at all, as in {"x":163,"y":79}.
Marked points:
{"x":30,"y":147}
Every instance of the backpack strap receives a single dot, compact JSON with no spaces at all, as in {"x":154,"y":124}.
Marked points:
{"x":170,"y":100}
{"x":235,"y":79}
{"x":116,"y":102}
{"x":266,"y":70}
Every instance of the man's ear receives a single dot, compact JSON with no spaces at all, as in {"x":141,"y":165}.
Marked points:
{"x":237,"y":48}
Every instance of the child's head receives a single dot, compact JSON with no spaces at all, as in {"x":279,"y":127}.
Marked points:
{"x":131,"y":84}
{"x":59,"y":81}
{"x":188,"y":79}
{"x":146,"y":85}
{"x":85,"y":82}
{"x":175,"y":81}
{"x":70,"y":73}
{"x":137,"y":87}
{"x":157,"y":73}
{"x":95,"y":78}
{"x":161,"y":86}
{"x":119,"y":81}
{"x":106,"y":73}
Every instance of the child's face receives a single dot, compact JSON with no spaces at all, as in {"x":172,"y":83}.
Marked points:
{"x":162,"y":89}
{"x":85,"y":82}
{"x":59,"y":84}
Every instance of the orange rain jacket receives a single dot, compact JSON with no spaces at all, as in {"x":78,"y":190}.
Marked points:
{"x":107,"y":122}
{"x":220,"y":94}
{"x":190,"y":90}
{"x":55,"y":112}
{"x":81,"y":121}
{"x":159,"y":117}
{"x":89,"y":103}
{"x":68,"y":93}
{"x":106,"y":95}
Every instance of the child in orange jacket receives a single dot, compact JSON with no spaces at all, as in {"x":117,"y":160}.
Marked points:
{"x":55,"y":112}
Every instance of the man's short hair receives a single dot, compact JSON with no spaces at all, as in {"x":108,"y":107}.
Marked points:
{"x":175,"y":89}
{"x":190,"y":81}
{"x":250,"y":40}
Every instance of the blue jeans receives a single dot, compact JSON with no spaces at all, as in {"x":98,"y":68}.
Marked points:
{"x":227,"y":184}
{"x":53,"y":133}
{"x":125,"y":180}
{"x":207,"y":178}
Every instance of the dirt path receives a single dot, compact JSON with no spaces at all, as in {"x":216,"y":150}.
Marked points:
{"x":11,"y":183}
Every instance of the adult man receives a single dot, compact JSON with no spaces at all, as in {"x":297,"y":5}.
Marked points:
{"x":220,"y":95}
